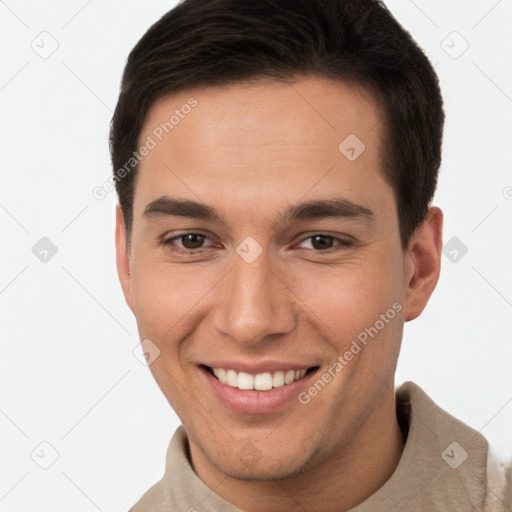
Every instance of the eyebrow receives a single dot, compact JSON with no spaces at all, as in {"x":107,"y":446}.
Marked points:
{"x":336,"y":208}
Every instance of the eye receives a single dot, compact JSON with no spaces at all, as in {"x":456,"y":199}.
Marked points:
{"x":186,"y":243}
{"x":325,"y":243}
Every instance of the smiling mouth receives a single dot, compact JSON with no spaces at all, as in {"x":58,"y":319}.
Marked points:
{"x":260,"y":381}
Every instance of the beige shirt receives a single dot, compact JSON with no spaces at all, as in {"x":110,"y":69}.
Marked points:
{"x":445,"y":466}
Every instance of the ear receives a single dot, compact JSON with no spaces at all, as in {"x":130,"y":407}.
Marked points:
{"x":423,"y":263}
{"x":123,"y":257}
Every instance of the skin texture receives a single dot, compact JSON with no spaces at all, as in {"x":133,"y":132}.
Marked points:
{"x":250,"y":151}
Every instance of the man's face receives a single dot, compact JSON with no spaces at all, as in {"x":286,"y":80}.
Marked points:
{"x":266,"y":292}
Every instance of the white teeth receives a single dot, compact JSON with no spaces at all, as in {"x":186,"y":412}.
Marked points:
{"x":278,"y":379}
{"x":259,"y":382}
{"x":289,"y":376}
{"x":263,"y":381}
{"x":222,"y":375}
{"x":231,"y":378}
{"x":245,"y":381}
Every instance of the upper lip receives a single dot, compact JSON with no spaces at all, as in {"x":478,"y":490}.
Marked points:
{"x":260,"y":367}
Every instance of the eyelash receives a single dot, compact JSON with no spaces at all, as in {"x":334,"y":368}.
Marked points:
{"x":168,"y":243}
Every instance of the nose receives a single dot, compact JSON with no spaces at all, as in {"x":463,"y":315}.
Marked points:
{"x":256,"y":303}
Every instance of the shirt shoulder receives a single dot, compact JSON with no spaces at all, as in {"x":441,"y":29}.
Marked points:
{"x":443,"y":466}
{"x":499,"y":483}
{"x":153,"y":499}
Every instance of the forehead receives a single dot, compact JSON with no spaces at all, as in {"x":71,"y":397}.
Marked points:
{"x":254,"y":142}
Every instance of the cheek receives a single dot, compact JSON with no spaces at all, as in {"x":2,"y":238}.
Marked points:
{"x":163,"y":301}
{"x":163,"y":297}
{"x":349,"y":299}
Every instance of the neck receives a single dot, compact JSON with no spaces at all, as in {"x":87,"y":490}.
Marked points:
{"x":344,"y":480}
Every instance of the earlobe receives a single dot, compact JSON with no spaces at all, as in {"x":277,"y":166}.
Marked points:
{"x":423,"y":263}
{"x":123,"y":257}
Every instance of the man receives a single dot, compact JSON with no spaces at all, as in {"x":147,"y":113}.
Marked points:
{"x":275,"y":163}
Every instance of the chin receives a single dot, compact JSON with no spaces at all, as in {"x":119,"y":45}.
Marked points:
{"x":263,"y":473}
{"x":249,"y":464}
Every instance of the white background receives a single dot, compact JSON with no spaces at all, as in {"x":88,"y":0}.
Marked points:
{"x":68,"y":374}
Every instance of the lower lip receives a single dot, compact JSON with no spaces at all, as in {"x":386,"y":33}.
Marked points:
{"x":256,"y":402}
